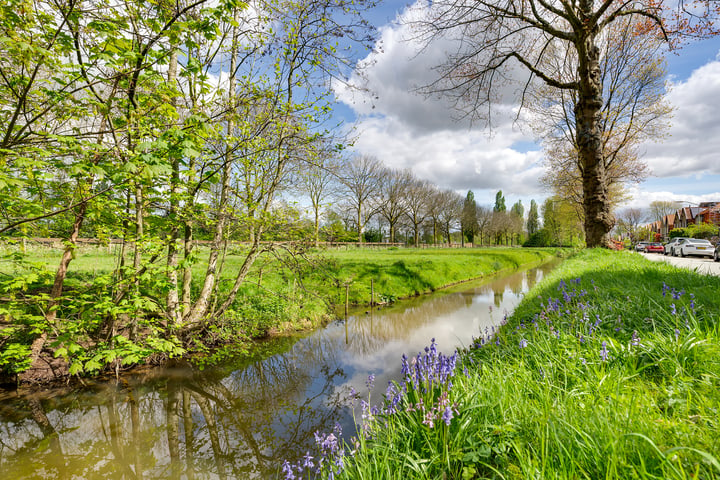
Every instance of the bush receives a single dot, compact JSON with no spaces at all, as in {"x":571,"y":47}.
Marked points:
{"x":541,"y":238}
{"x":704,"y":230}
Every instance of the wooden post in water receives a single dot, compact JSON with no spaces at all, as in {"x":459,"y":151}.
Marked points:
{"x":372,"y":293}
{"x":347,"y":301}
{"x":347,"y":295}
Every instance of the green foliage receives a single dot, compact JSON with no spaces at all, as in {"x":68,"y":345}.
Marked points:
{"x":541,"y":238}
{"x":499,"y":202}
{"x":373,"y":235}
{"x":704,"y":230}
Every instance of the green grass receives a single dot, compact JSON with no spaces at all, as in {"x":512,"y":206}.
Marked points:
{"x":403,"y":273}
{"x":597,"y":374}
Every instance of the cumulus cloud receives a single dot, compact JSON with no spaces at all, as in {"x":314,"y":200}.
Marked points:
{"x":694,"y":141}
{"x":406,"y":129}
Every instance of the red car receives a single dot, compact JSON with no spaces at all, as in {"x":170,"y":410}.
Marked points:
{"x":654,"y":248}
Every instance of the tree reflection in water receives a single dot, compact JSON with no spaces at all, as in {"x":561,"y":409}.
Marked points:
{"x":238,"y":421}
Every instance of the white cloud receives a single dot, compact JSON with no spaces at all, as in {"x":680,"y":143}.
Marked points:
{"x":694,"y":142}
{"x":408,"y":130}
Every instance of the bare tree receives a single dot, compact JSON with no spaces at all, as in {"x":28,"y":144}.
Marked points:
{"x":629,"y":221}
{"x":416,"y":200}
{"x":392,"y":197}
{"x":450,"y":206}
{"x":498,"y":38}
{"x":361,"y":180}
{"x":661,"y":208}
{"x":633,"y":77}
{"x":484,"y":217}
{"x":317,"y":178}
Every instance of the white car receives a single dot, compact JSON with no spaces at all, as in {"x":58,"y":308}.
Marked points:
{"x":694,"y":246}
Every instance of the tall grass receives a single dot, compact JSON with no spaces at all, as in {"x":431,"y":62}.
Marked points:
{"x":609,"y":369}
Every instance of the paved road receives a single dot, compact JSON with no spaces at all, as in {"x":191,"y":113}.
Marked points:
{"x":701,"y":264}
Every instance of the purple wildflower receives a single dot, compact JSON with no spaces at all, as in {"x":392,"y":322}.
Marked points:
{"x":635,"y":341}
{"x":287,"y":469}
{"x":523,"y":343}
{"x":447,"y":415}
{"x":604,"y":352}
{"x":692,"y":302}
{"x":370,"y":381}
{"x":673,"y":310}
{"x":308,"y":461}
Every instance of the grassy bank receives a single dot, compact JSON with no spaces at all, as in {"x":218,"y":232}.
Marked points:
{"x":402,"y":273}
{"x":284,"y":292}
{"x":609,"y":369}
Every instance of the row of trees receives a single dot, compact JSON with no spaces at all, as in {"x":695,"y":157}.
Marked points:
{"x":362,"y":193}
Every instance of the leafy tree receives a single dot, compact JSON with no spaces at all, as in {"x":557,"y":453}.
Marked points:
{"x":469,"y":220}
{"x":560,"y":222}
{"x":533,"y":221}
{"x":499,"y":202}
{"x":112,"y":122}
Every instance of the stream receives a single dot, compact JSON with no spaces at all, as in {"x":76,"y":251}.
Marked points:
{"x":242,"y":419}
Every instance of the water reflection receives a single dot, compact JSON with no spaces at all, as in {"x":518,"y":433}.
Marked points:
{"x":242,"y":420}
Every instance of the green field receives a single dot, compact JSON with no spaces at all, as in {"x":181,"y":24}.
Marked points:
{"x":610,"y":368}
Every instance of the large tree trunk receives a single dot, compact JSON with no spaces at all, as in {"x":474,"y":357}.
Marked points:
{"x":596,"y":202}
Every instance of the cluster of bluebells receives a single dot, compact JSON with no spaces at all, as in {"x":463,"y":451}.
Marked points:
{"x":427,"y":373}
{"x":428,"y":370}
{"x":571,"y":311}
{"x":331,"y":458}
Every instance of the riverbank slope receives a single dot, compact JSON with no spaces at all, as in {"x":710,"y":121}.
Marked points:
{"x":282,"y":294}
{"x":610,"y":368}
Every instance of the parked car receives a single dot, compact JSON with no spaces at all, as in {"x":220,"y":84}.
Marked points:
{"x":640,"y":247}
{"x":670,"y":246}
{"x":694,"y":246}
{"x":654,"y":247}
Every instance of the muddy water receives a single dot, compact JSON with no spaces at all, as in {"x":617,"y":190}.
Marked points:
{"x":241,"y":420}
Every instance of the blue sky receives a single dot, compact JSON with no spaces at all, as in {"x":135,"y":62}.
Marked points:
{"x":406,"y":130}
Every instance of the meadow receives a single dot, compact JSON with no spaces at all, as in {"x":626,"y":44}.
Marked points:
{"x":610,"y":368}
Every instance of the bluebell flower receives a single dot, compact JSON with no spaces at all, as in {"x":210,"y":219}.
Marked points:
{"x":604,"y":352}
{"x":287,"y":469}
{"x":523,"y":343}
{"x":447,"y":415}
{"x":370,"y":381}
{"x":308,"y":461}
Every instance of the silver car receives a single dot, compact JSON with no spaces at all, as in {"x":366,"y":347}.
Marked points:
{"x":640,"y":247}
{"x":670,"y":246}
{"x":695,"y":246}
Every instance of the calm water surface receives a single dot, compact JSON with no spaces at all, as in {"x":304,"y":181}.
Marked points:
{"x":240,"y":421}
